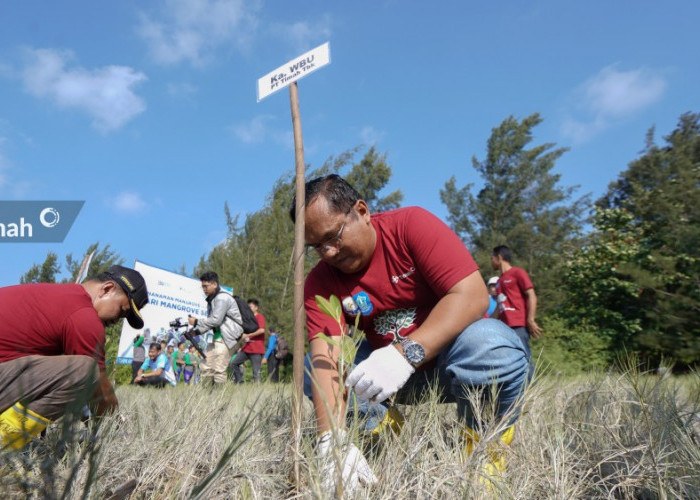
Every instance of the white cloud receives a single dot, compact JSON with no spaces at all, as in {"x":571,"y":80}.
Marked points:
{"x":610,"y":96}
{"x":106,"y":94}
{"x":129,"y":202}
{"x":190,"y":30}
{"x":259,"y":129}
{"x":370,"y":135}
{"x":253,"y":131}
{"x":303,"y":35}
{"x":181,"y":89}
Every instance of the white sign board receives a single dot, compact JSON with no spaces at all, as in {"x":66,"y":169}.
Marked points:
{"x":293,"y":70}
{"x":170,"y":296}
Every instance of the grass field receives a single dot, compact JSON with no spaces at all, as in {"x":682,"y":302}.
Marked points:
{"x":598,"y":436}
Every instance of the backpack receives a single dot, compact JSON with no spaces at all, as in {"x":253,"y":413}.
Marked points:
{"x":281,"y":348}
{"x":250,"y":324}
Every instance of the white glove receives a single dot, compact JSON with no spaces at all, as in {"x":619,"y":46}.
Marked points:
{"x":379,"y":376}
{"x":333,"y":448}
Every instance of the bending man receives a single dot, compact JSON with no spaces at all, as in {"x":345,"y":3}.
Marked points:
{"x":420,"y":300}
{"x":51,"y":345}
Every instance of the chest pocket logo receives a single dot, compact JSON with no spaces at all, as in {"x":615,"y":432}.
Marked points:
{"x":363,"y":303}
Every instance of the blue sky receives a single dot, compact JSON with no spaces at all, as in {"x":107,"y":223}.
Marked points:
{"x":147,"y":110}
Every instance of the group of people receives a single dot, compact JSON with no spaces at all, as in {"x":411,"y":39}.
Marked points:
{"x":402,"y":276}
{"x":160,"y":364}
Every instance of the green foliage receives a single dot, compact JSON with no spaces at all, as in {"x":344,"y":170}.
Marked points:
{"x":660,"y":193}
{"x":369,"y":177}
{"x":102,"y":260}
{"x":520,"y":205}
{"x":49,"y":270}
{"x":45,"y":272}
{"x":599,"y":294}
{"x":570,"y":350}
{"x":348,"y":344}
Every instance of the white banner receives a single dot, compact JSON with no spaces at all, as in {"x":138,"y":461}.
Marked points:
{"x":293,"y":70}
{"x":170,"y":296}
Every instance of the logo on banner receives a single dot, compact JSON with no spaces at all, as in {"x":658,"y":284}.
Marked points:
{"x":37,"y":221}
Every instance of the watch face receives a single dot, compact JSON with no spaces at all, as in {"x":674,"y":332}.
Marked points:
{"x":414,"y":352}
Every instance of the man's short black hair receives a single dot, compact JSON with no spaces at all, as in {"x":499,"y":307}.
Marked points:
{"x":210,"y":276}
{"x":156,"y":346}
{"x":341,"y":196}
{"x":254,"y":301}
{"x":503,"y":251}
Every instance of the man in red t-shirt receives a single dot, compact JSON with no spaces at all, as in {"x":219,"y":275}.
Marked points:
{"x":517,"y":301}
{"x":253,"y":348}
{"x":52,"y":340}
{"x":416,"y":293}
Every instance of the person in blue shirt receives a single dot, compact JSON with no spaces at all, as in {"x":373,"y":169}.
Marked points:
{"x":270,"y":359}
{"x":493,"y":301}
{"x":160,"y":372}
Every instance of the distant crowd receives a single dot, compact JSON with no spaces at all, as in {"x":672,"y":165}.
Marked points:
{"x":169,"y":359}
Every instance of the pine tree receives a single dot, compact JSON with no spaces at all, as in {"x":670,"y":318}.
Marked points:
{"x":521,"y":204}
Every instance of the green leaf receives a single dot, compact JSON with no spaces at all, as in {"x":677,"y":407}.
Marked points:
{"x":336,"y":307}
{"x":329,"y":340}
{"x":326,"y":306}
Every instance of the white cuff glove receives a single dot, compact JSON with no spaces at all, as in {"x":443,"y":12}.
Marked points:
{"x":333,"y":448}
{"x":379,"y":376}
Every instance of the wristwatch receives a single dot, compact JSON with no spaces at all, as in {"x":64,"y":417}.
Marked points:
{"x":412,"y":351}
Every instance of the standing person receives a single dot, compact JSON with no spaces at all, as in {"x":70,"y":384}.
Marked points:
{"x":224,"y":319}
{"x":420,"y":300}
{"x":269,"y":357}
{"x":139,"y":356}
{"x":170,"y":352}
{"x":191,"y":364}
{"x":52,"y":344}
{"x":180,"y":360}
{"x":492,"y":287}
{"x":517,"y":301}
{"x":253,"y":348}
{"x":156,"y":370}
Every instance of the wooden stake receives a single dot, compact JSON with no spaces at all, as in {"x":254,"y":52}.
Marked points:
{"x":299,"y":317}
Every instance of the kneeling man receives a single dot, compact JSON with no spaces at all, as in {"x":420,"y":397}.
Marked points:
{"x":52,"y":339}
{"x":420,"y":299}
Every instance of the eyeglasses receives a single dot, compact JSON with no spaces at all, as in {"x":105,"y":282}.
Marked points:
{"x":332,"y":242}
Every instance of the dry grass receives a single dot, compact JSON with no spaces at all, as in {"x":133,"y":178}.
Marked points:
{"x":603,"y":436}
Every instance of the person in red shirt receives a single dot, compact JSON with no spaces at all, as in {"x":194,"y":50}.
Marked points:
{"x":517,"y":301}
{"x":416,"y":293}
{"x":253,"y":348}
{"x":52,"y":340}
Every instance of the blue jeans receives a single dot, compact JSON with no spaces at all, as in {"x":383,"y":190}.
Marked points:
{"x":486,"y":354}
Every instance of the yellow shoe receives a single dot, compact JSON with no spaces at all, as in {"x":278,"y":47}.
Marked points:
{"x":495,"y":466}
{"x":392,"y":420}
{"x":19,"y":425}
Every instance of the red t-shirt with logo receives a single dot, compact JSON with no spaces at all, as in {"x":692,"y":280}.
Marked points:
{"x":256,"y":345}
{"x":417,"y":259}
{"x":49,"y":319}
{"x":510,"y":290}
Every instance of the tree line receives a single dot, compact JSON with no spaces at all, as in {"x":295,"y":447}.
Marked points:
{"x":615,"y":276}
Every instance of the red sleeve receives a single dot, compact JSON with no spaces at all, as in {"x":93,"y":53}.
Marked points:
{"x":523,"y":280}
{"x":85,"y":335}
{"x":440,"y":255}
{"x":317,"y":321}
{"x":261,"y":320}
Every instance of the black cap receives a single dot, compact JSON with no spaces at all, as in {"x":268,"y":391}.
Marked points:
{"x":134,"y":285}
